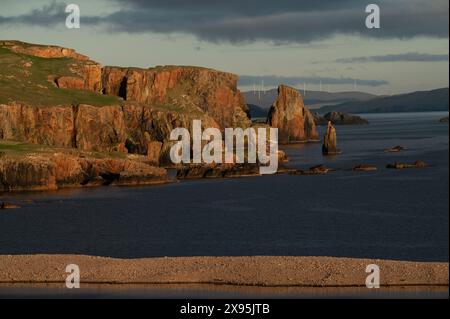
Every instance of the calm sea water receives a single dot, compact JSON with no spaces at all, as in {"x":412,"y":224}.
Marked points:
{"x":385,"y":214}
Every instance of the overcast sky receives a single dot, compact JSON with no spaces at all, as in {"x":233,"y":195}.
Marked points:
{"x":285,"y":41}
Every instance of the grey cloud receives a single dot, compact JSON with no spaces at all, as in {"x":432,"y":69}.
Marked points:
{"x":273,"y":80}
{"x":237,"y":21}
{"x":47,"y":16}
{"x":404,"y":57}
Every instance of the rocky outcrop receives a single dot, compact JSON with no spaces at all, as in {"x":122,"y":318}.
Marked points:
{"x":339,"y":118}
{"x":37,"y":125}
{"x":42,"y":51}
{"x":395,"y":149}
{"x":294,"y":121}
{"x":315,"y":170}
{"x":213,"y":92}
{"x":4,"y":205}
{"x":218,"y":171}
{"x":130,"y":128}
{"x":147,"y":126}
{"x":85,"y":127}
{"x":154,"y":152}
{"x":43,"y":172}
{"x":155,"y":101}
{"x":399,"y":165}
{"x":365,"y":168}
{"x":320,"y":120}
{"x":100,"y":129}
{"x":86,"y":74}
{"x":329,"y":146}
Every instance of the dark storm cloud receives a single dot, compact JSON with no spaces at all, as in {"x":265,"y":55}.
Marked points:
{"x":404,"y":57}
{"x":273,"y":80}
{"x":48,"y":16}
{"x":251,"y":20}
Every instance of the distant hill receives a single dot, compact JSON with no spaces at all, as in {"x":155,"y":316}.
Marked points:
{"x":313,"y":99}
{"x":421,"y":101}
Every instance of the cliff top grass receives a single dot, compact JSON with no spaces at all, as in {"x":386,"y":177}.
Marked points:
{"x":27,"y":79}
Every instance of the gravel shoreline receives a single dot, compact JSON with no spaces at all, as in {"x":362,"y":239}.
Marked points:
{"x":241,"y":271}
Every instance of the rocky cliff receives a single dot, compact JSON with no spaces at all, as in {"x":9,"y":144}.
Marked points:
{"x":294,"y":121}
{"x":214,"y":92}
{"x":129,"y":128}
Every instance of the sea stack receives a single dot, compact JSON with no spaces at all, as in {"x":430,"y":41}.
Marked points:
{"x":294,"y":121}
{"x":329,"y":146}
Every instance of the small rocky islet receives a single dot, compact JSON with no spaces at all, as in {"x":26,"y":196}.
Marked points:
{"x":339,"y":118}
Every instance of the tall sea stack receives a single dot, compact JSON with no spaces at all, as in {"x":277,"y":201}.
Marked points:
{"x":329,"y":146}
{"x":294,"y":121}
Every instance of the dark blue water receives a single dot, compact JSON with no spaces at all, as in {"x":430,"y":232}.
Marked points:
{"x":389,"y":214}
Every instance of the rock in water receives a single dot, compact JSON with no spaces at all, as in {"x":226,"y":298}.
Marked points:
{"x":395,"y":149}
{"x":365,"y":168}
{"x":316,"y":170}
{"x":329,"y":146}
{"x":339,"y":118}
{"x":294,"y":121}
{"x":4,"y":205}
{"x":399,"y":165}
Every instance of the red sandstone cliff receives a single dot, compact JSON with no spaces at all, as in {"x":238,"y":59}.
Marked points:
{"x":294,"y":121}
{"x":156,"y":101}
{"x":212,"y":91}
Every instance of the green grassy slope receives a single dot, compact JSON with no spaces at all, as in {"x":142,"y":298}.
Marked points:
{"x":25,"y":79}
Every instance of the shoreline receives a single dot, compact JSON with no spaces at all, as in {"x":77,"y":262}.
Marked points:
{"x":274,"y":272}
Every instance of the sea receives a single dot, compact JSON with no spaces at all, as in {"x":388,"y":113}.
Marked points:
{"x":386,"y":214}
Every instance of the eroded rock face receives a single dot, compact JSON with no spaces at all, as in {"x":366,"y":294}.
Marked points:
{"x":100,"y":128}
{"x":214,"y":92}
{"x":43,"y":172}
{"x":37,"y":125}
{"x":130,"y":128}
{"x":294,"y":121}
{"x":154,"y":152}
{"x":85,"y":127}
{"x":146,"y":127}
{"x":329,"y":146}
{"x":89,"y":77}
